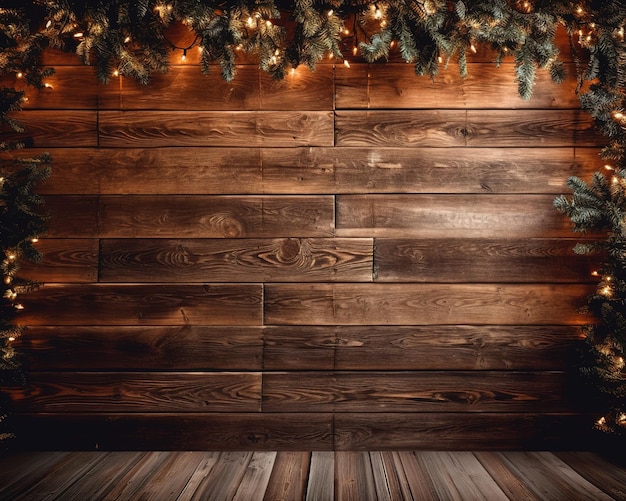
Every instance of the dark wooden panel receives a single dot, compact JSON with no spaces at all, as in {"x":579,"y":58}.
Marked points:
{"x":451,"y":128}
{"x":45,"y":129}
{"x":71,"y":87}
{"x":394,"y":86}
{"x":216,"y":217}
{"x":450,"y":216}
{"x":461,"y":431}
{"x":299,"y":348}
{"x":221,"y":304}
{"x":138,"y":392}
{"x":203,"y":171}
{"x":458,"y":347}
{"x":237,"y":260}
{"x":424,"y":304}
{"x":72,"y":216}
{"x":419,"y":391}
{"x":436,"y":347}
{"x":204,"y":431}
{"x":142,"y":348}
{"x":64,"y":260}
{"x":184,"y":88}
{"x":237,"y":128}
{"x":481,"y":260}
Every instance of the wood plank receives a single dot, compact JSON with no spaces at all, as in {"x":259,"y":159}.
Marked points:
{"x":354,"y":476}
{"x":421,"y":485}
{"x":321,"y":481}
{"x":25,"y":468}
{"x":434,"y":128}
{"x":256,"y":477}
{"x":58,"y":478}
{"x":452,"y":128}
{"x":459,"y":476}
{"x":481,"y":260}
{"x":104,"y":475}
{"x":73,"y":392}
{"x":384,"y":169}
{"x":159,"y":304}
{"x":316,"y":170}
{"x":205,"y":128}
{"x":170,"y":477}
{"x":419,"y":391}
{"x":209,"y":460}
{"x":72,"y":216}
{"x":135,"y":478}
{"x":531,"y":128}
{"x":380,"y":475}
{"x":437,"y":347}
{"x":184,"y":87}
{"x":51,"y":129}
{"x":190,"y":347}
{"x":289,"y":476}
{"x":599,"y":471}
{"x":511,"y":483}
{"x":189,"y":170}
{"x":64,"y":260}
{"x":299,"y":348}
{"x":237,"y":260}
{"x":303,"y":89}
{"x":71,"y":88}
{"x":224,"y":478}
{"x":460,"y":431}
{"x":450,"y":216}
{"x":174,"y":431}
{"x":396,"y":86}
{"x":540,"y":474}
{"x":425,"y":304}
{"x":216,"y":217}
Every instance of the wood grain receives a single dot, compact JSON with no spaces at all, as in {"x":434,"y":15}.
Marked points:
{"x":395,"y":85}
{"x":241,"y":260}
{"x":316,"y":170}
{"x":151,"y":129}
{"x":70,"y":260}
{"x":424,"y":304}
{"x":216,"y":217}
{"x":190,"y":347}
{"x":72,"y":216}
{"x":139,"y":392}
{"x":51,"y":129}
{"x":127,"y":304}
{"x":450,"y":216}
{"x":481,"y":260}
{"x":445,"y":431}
{"x":452,"y":128}
{"x":433,"y":347}
{"x":420,"y":391}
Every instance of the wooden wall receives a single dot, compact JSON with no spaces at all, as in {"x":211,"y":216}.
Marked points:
{"x":347,"y":259}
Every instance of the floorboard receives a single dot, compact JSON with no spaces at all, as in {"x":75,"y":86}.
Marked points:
{"x":311,"y":476}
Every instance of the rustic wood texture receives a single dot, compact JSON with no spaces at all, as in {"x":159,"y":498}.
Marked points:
{"x":317,"y":475}
{"x":350,"y":258}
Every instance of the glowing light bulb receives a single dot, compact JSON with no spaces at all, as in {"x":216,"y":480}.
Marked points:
{"x":606,"y":291}
{"x":250,"y":22}
{"x":48,"y":86}
{"x":268,"y":23}
{"x":330,"y":12}
{"x":601,"y":421}
{"x":594,"y":273}
{"x":608,"y":167}
{"x":78,"y":35}
{"x":7,"y":280}
{"x":346,"y":31}
{"x":19,"y":74}
{"x":116,"y":73}
{"x":127,"y":39}
{"x":184,"y":56}
{"x":19,"y":306}
{"x":11,"y":257}
{"x":346,"y":63}
{"x":48,"y":24}
{"x":11,"y":338}
{"x":355,"y":50}
{"x":473,"y":48}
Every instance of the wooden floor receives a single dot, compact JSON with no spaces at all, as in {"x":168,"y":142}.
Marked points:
{"x":274,"y":476}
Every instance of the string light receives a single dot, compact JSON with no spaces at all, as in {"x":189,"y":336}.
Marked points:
{"x":346,"y":63}
{"x":19,"y":74}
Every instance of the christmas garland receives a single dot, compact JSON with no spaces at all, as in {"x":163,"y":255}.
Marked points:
{"x":130,"y":38}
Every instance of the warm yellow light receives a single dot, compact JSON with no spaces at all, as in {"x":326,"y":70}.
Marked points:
{"x":7,"y":280}
{"x":48,"y":24}
{"x":268,"y":23}
{"x":346,"y":31}
{"x":11,"y":257}
{"x":250,"y":22}
{"x":346,"y":63}
{"x":601,"y":421}
{"x":48,"y":86}
{"x":19,"y":306}
{"x":19,"y":74}
{"x":608,"y":167}
{"x":606,"y":291}
{"x":473,"y":48}
{"x":619,"y":361}
{"x":378,"y":14}
{"x":355,"y":50}
{"x":78,"y":35}
{"x":579,"y":10}
{"x":330,"y":12}
{"x":293,"y":71}
{"x":127,"y":39}
{"x":11,"y":338}
{"x":116,"y":73}
{"x":594,"y":273}
{"x":618,"y":115}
